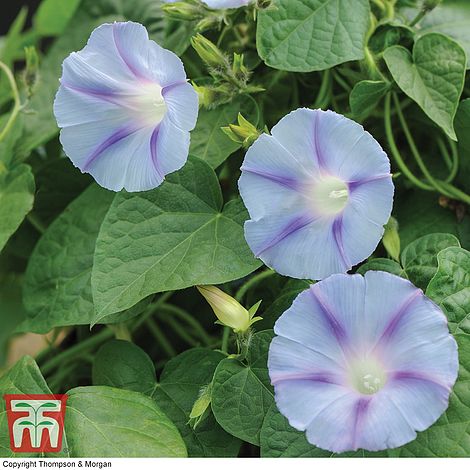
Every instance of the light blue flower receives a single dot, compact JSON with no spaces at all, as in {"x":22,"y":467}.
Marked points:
{"x":218,"y":4}
{"x":125,"y":109}
{"x":362,"y":362}
{"x":318,"y":191}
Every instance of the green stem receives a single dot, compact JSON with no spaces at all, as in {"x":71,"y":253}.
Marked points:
{"x":322,"y":98}
{"x":371,"y":65}
{"x":36,"y":223}
{"x":394,"y":149}
{"x":455,"y":161}
{"x":417,"y":18}
{"x":414,"y":150}
{"x":16,"y":98}
{"x":152,"y":309}
{"x":341,"y":81}
{"x":89,"y":343}
{"x":189,"y":319}
{"x":180,"y":331}
{"x":95,"y":340}
{"x":252,"y":282}
{"x":445,"y":153}
{"x":225,"y":338}
{"x":160,"y":337}
{"x":121,"y":332}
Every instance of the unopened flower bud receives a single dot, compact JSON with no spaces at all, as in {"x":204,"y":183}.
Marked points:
{"x":228,"y":311}
{"x":209,"y":22}
{"x":391,"y":239}
{"x":244,"y":133}
{"x":206,"y":95}
{"x":187,"y":11}
{"x":209,"y":52}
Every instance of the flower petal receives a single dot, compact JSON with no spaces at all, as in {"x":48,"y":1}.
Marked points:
{"x":172,"y":147}
{"x":316,"y":398}
{"x":218,"y":4}
{"x":288,"y":245}
{"x":296,"y":132}
{"x":118,"y":157}
{"x":308,"y":324}
{"x":72,"y":107}
{"x":349,"y":152}
{"x":182,"y":103}
{"x":334,"y":426}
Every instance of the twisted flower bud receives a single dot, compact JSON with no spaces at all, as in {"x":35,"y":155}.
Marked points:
{"x":228,"y":311}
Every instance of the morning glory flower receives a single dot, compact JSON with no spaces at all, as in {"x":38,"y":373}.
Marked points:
{"x":125,"y":109}
{"x":318,"y":191}
{"x":362,"y":362}
{"x":218,"y":4}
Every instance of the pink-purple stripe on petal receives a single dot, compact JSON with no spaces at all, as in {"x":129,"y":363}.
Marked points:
{"x":285,"y":181}
{"x":294,"y":226}
{"x":113,"y":139}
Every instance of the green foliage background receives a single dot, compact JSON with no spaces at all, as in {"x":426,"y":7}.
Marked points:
{"x":140,"y":344}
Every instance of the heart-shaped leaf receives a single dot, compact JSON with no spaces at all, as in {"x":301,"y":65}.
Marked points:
{"x":433,"y":76}
{"x":308,"y":35}
{"x":170,"y":238}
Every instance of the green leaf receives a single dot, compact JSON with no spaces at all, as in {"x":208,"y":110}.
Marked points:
{"x":23,"y":378}
{"x":58,"y":183}
{"x":170,"y":238}
{"x":450,"y":436}
{"x":57,"y":289}
{"x":109,"y":422}
{"x":53,"y":16}
{"x":180,"y":384}
{"x":382,"y":264}
{"x":419,"y":258}
{"x":280,"y":439}
{"x":122,"y":364}
{"x":390,"y":33}
{"x":16,"y":199}
{"x":308,"y":35}
{"x":366,"y":95}
{"x":242,"y":393}
{"x":462,"y":129}
{"x":450,"y":287}
{"x":283,"y":300}
{"x":426,"y":216}
{"x":208,"y":141}
{"x":433,"y":76}
{"x":452,"y":18}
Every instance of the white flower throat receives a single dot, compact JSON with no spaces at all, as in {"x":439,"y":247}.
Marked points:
{"x":148,"y":103}
{"x":367,"y":376}
{"x":330,"y":195}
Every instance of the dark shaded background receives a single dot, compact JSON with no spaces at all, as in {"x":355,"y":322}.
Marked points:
{"x":10,"y":8}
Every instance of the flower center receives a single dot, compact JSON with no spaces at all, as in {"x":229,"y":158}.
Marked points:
{"x":367,"y":376}
{"x":330,"y":195}
{"x":148,"y":103}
